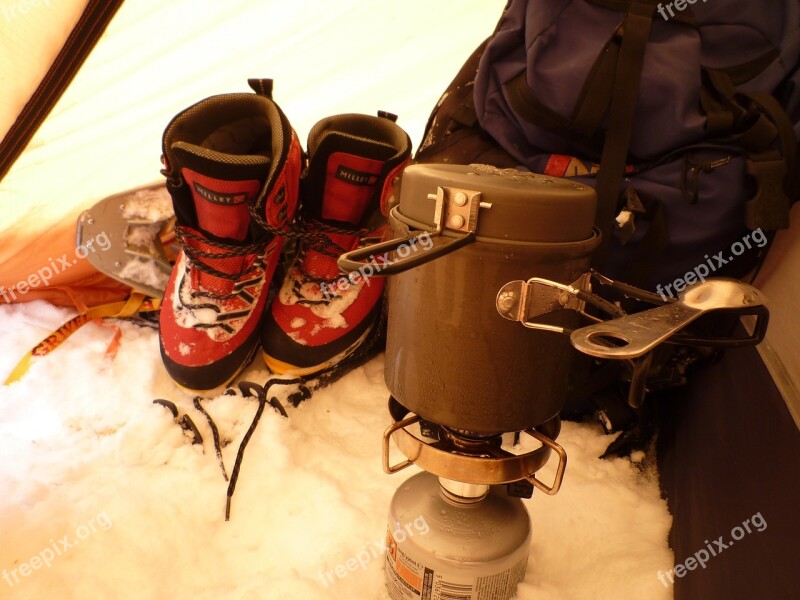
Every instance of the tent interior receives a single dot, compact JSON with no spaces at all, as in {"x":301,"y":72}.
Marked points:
{"x":83,"y":443}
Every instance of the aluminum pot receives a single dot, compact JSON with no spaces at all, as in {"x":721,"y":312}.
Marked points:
{"x":461,"y":233}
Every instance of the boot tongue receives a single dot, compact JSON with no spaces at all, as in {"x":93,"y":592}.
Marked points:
{"x":344,"y":177}
{"x":222,"y":187}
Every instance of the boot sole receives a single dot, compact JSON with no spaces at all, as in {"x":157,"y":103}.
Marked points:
{"x":181,"y":374}
{"x":283,"y":368}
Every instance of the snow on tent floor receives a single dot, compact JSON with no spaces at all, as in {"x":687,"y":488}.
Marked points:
{"x":105,"y":497}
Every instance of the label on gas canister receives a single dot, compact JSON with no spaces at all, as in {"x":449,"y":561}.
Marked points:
{"x":410,"y":579}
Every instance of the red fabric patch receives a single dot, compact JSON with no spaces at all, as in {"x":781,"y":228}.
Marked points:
{"x":557,"y":165}
{"x":222,"y":206}
{"x":350,"y":184}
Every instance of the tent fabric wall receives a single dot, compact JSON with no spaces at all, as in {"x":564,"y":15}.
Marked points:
{"x":727,"y":451}
{"x":779,"y":280}
{"x":156,"y":58}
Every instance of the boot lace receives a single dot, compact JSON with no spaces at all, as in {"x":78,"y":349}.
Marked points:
{"x":222,"y":250}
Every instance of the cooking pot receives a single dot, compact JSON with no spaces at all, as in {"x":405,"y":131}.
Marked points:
{"x":461,"y":232}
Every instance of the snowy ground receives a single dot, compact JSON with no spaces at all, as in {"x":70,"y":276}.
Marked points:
{"x":104,"y":497}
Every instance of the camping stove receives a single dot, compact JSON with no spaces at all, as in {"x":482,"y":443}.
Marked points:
{"x":475,"y":252}
{"x":466,"y":380}
{"x":477,"y":531}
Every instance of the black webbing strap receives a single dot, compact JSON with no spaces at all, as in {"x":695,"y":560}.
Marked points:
{"x":685,"y":16}
{"x":768,"y":209}
{"x":788,"y":141}
{"x":591,"y":105}
{"x":753,"y":121}
{"x":744,"y":72}
{"x":529,"y":107}
{"x":651,"y":247}
{"x":775,"y":170}
{"x":594,"y":99}
{"x":636,"y":32}
{"x":716,"y":94}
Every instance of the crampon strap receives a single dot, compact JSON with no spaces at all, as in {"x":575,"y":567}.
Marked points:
{"x":135,"y":303}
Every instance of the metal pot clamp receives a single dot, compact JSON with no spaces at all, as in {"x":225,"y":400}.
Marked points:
{"x":633,"y":337}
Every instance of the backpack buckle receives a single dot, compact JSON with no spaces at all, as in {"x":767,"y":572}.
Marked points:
{"x":768,"y":209}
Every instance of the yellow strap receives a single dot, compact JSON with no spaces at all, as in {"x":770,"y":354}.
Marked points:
{"x":137,"y":302}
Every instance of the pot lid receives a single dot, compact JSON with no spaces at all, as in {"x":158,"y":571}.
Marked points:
{"x":507,"y":204}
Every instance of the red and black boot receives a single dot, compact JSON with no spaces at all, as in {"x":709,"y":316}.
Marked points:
{"x":233,"y":165}
{"x":320,"y":318}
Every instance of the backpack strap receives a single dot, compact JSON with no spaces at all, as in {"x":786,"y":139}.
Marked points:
{"x":775,"y":171}
{"x":612,"y":87}
{"x":591,"y":106}
{"x":635,"y":34}
{"x":744,"y":72}
{"x":654,"y":242}
{"x":754,"y":121}
{"x":685,"y":16}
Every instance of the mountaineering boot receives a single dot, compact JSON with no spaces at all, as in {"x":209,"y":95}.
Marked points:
{"x":233,"y":165}
{"x":320,"y":317}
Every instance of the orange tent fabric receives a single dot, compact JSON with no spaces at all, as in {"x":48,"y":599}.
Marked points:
{"x":30,"y":270}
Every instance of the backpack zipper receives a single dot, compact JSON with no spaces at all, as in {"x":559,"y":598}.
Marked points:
{"x":689,"y":168}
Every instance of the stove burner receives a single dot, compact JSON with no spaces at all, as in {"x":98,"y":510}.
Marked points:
{"x":472,"y":457}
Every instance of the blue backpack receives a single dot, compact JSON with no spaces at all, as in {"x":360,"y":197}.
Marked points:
{"x":683,"y":115}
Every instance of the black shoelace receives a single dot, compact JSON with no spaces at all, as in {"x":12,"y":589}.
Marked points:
{"x":261,"y":394}
{"x":224,"y":250}
{"x":313,"y":236}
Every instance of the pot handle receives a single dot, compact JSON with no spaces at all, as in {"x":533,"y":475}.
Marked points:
{"x":550,"y":490}
{"x":353,"y":260}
